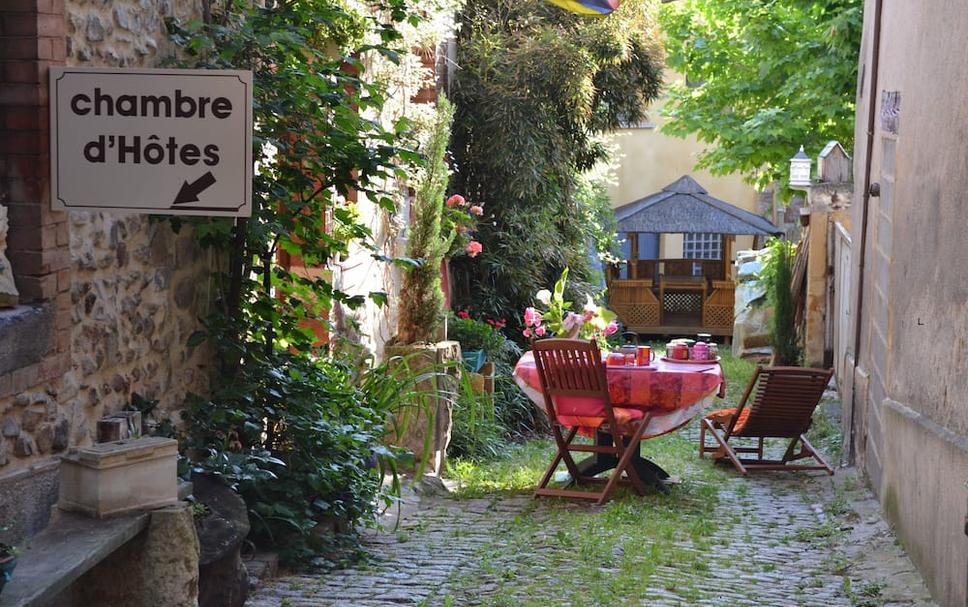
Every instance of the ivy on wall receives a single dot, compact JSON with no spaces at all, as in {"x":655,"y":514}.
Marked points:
{"x":295,"y":429}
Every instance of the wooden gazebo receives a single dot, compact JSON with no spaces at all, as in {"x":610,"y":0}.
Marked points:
{"x":682,"y":295}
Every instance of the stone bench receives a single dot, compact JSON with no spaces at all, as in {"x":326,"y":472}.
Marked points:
{"x":65,"y":551}
{"x":120,"y":535}
{"x":147,"y":559}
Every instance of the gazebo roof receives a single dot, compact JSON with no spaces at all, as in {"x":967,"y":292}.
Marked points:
{"x":685,"y":206}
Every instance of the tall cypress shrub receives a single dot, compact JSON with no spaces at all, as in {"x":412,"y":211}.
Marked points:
{"x":421,"y":296}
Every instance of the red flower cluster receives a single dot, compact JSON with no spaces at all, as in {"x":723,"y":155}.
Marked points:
{"x":497,"y":324}
{"x":463,"y":314}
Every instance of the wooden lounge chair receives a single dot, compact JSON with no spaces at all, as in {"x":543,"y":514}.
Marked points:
{"x":575,"y":391}
{"x":782,"y":407}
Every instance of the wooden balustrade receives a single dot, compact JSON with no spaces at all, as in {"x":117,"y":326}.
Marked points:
{"x":643,"y":305}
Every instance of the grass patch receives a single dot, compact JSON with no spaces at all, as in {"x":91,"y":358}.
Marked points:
{"x":606,"y":550}
{"x":515,"y":470}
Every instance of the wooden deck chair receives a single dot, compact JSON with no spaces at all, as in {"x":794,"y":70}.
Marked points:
{"x":575,"y":391}
{"x":781,"y":407}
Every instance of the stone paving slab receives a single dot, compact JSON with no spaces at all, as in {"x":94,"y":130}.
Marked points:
{"x":776,"y":554}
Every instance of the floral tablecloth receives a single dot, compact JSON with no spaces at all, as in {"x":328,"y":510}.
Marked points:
{"x":672,"y":392}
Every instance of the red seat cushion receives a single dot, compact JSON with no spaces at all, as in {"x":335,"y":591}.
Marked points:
{"x":723,"y":416}
{"x":623,"y":417}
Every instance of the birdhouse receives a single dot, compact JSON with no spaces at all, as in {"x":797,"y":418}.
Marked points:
{"x":800,"y":169}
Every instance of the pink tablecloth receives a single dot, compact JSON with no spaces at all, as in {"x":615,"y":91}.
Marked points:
{"x":672,"y":392}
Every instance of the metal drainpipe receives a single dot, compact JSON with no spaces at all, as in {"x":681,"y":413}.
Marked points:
{"x":868,"y":161}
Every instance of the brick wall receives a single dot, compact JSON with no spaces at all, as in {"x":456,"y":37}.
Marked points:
{"x":32,"y":33}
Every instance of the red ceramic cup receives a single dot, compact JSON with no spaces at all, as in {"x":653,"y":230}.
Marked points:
{"x":644,"y":356}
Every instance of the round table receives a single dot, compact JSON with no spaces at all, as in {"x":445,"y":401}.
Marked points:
{"x":672,"y":392}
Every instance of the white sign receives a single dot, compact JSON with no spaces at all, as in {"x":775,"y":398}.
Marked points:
{"x":173,"y":142}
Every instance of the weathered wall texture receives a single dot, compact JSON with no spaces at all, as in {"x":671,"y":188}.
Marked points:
{"x":908,"y":389}
{"x":137,"y":290}
{"x":414,"y":86}
{"x":122,"y":32}
{"x":133,"y":290}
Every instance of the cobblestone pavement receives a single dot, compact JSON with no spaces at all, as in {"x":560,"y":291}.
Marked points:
{"x":774,"y":540}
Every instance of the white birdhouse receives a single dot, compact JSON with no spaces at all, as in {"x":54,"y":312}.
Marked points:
{"x":800,"y":169}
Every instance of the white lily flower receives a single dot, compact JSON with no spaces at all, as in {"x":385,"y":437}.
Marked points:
{"x":544,"y":296}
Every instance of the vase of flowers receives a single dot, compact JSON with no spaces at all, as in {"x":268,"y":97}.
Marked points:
{"x":554,"y":315}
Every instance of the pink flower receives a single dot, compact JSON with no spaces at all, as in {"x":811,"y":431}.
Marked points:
{"x":456,"y":200}
{"x":527,"y":332}
{"x":463,"y":314}
{"x":612,"y":327}
{"x":588,"y":315}
{"x":571,"y":321}
{"x":476,"y":210}
{"x":474,"y":248}
{"x":539,"y":331}
{"x":532,"y":317}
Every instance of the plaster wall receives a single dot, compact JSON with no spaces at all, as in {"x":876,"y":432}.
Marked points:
{"x":646,"y":160}
{"x":910,"y":415}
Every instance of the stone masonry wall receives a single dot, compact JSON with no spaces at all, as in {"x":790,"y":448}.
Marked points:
{"x":137,"y":288}
{"x":134,"y":288}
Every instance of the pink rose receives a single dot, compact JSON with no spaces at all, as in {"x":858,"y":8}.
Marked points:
{"x":612,"y":327}
{"x":571,"y":321}
{"x":527,"y":332}
{"x":474,"y":248}
{"x":456,"y":200}
{"x":532,"y":317}
{"x":476,"y":210}
{"x":539,"y":331}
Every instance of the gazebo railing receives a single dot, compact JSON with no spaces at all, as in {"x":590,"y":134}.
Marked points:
{"x":650,"y":269}
{"x":642,"y":304}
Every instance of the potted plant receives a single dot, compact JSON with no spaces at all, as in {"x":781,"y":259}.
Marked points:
{"x":479,"y":341}
{"x":8,"y":561}
{"x":777,"y":279}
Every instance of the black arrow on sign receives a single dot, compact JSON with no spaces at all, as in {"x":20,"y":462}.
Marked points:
{"x":189,"y":191}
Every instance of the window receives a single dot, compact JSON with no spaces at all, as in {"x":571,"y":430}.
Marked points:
{"x":702,"y":245}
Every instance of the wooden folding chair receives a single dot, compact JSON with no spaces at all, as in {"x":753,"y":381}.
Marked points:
{"x":575,"y":391}
{"x":782,"y":407}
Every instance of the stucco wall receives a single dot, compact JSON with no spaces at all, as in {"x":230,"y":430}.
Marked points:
{"x":910,"y":413}
{"x":136,"y":289}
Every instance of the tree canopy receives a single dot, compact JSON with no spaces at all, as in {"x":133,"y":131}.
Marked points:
{"x":764,"y":77}
{"x":535,"y":85}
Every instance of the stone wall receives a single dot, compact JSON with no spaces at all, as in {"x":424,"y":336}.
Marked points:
{"x":108,"y":301}
{"x":137,"y":289}
{"x":122,"y":32}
